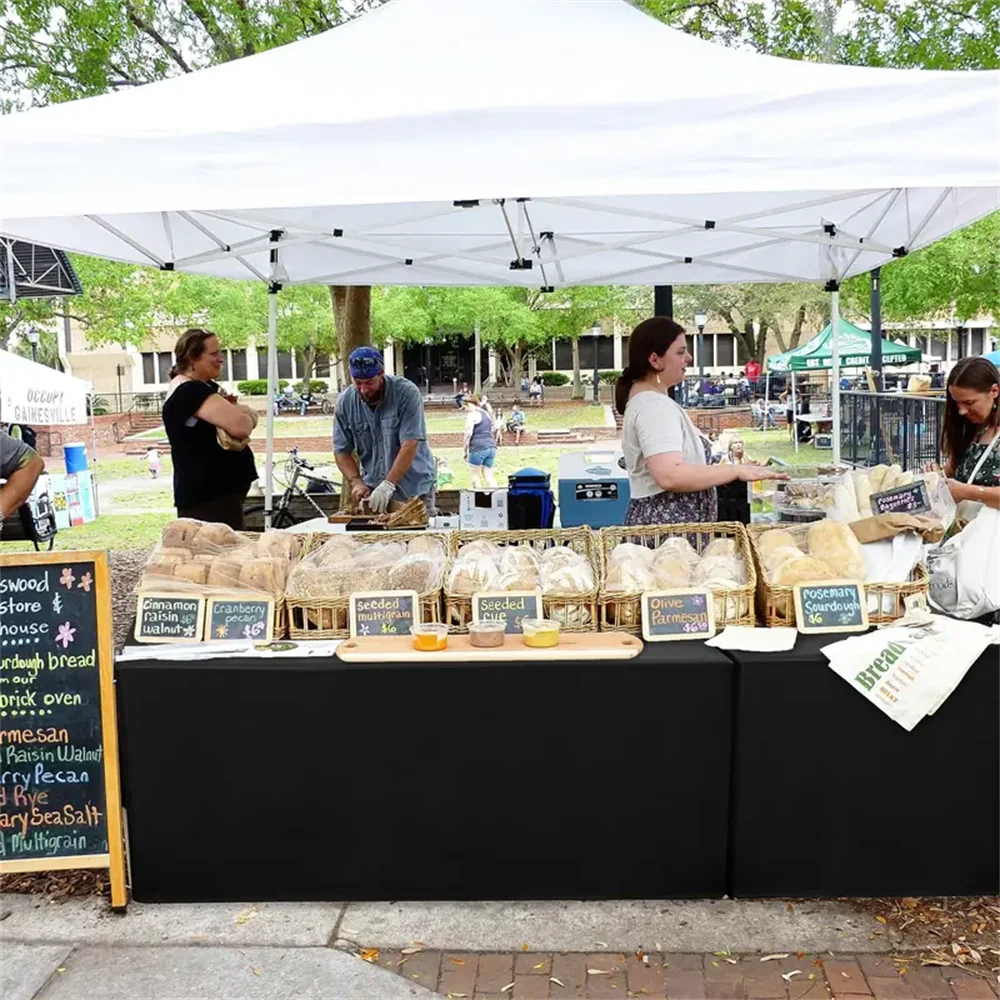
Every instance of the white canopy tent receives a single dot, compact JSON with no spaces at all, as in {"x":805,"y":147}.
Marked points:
{"x":542,"y":143}
{"x":31,"y":393}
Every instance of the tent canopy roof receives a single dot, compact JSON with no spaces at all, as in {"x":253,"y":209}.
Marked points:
{"x":855,"y":347}
{"x":30,"y":271}
{"x":434,"y":143}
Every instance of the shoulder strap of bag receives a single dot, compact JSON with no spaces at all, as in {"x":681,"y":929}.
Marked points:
{"x":983,"y":457}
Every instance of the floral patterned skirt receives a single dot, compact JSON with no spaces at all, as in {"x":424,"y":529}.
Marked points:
{"x":674,"y":508}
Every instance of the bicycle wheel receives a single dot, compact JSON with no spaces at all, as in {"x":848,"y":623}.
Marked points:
{"x":327,"y":407}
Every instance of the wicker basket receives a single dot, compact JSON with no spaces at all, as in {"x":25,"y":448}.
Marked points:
{"x":574,"y":612}
{"x":329,"y":617}
{"x":621,"y":612}
{"x":776,"y":605}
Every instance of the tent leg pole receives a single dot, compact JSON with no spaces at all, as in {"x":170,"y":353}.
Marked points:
{"x":835,"y":370}
{"x":795,"y":412}
{"x":272,"y":383}
{"x":93,"y":438}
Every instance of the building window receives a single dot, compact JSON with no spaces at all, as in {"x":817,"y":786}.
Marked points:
{"x":165,"y":362}
{"x":239,"y":365}
{"x":148,"y":368}
{"x":564,"y":356}
{"x":939,"y":348}
{"x":725,"y":350}
{"x":976,"y":338}
{"x":284,"y":363}
{"x":322,"y":367}
{"x":224,"y":374}
{"x":695,"y":347}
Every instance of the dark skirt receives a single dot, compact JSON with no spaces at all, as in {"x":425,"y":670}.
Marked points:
{"x":221,"y":510}
{"x":701,"y":507}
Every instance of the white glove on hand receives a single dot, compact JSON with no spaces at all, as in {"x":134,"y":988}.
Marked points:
{"x":379,"y":497}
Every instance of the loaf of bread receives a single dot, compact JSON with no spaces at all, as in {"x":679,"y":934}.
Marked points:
{"x":472,"y":574}
{"x":670,"y":571}
{"x":264,"y":574}
{"x":173,"y":554}
{"x":192,"y":572}
{"x":720,"y":567}
{"x":778,"y":538}
{"x":425,"y":545}
{"x":161,"y":567}
{"x":721,"y":547}
{"x":211,"y":537}
{"x":417,"y":572}
{"x":276,"y":545}
{"x":628,"y":578}
{"x":805,"y":569}
{"x":519,"y":559}
{"x":480,"y":547}
{"x":568,"y":580}
{"x":629,"y":552}
{"x":833,"y":543}
{"x":519,"y":580}
{"x":781,"y":555}
{"x":678,"y":547}
{"x":179,"y":533}
{"x":224,"y":572}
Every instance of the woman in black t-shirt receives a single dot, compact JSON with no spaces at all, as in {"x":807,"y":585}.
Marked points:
{"x":210,"y":481}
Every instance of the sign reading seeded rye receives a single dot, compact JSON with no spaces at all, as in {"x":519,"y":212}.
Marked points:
{"x":510,"y":607}
{"x":831,"y":606}
{"x":684,"y":613}
{"x":60,"y":806}
{"x":389,"y":612}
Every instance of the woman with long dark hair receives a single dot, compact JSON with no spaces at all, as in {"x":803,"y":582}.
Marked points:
{"x":970,"y":435}
{"x":209,"y":435}
{"x":671,"y":478}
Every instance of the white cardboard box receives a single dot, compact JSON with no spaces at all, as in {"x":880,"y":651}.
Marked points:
{"x":483,"y":509}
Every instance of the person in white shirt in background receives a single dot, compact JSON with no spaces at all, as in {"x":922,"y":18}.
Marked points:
{"x":480,"y":446}
{"x":153,"y":463}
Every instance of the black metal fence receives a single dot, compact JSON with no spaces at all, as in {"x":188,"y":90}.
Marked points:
{"x":886,"y":427}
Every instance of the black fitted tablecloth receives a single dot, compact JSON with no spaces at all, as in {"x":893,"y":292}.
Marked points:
{"x":833,"y":798}
{"x":314,"y":779}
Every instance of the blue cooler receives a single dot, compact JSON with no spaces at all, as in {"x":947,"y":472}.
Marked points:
{"x":593,"y":488}
{"x":75,"y":456}
{"x":530,"y":502}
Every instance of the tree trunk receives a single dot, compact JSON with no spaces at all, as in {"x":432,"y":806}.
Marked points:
{"x":515,"y":366}
{"x":308,"y":364}
{"x":577,"y":380}
{"x":800,"y":318}
{"x":352,"y":317}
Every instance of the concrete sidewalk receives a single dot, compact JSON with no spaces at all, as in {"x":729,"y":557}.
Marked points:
{"x":79,"y":949}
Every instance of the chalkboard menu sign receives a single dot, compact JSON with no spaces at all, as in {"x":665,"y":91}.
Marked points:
{"x":831,"y":606}
{"x":59,"y":790}
{"x":511,"y":607}
{"x":911,"y":499}
{"x":235,"y":618}
{"x":389,"y":612}
{"x":684,"y":613}
{"x":169,"y":617}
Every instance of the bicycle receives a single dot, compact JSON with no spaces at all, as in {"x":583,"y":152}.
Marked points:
{"x":295,"y":469}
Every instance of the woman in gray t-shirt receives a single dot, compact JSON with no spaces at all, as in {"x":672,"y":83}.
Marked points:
{"x":671,"y":478}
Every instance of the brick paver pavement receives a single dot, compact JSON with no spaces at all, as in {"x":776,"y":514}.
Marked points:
{"x":614,"y":976}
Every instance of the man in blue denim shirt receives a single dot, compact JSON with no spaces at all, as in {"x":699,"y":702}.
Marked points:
{"x":381,"y":417}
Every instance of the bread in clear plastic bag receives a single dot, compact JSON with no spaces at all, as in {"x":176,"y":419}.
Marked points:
{"x":426,"y":545}
{"x":629,"y":552}
{"x":276,"y":545}
{"x":627,"y":577}
{"x":670,"y":571}
{"x":516,"y":579}
{"x":676,"y":547}
{"x":472,"y":573}
{"x":519,"y":559}
{"x":480,"y":547}
{"x":420,"y":572}
{"x":778,"y":538}
{"x":721,"y":567}
{"x":556,"y":556}
{"x":266,"y":574}
{"x":801,"y":570}
{"x":834,"y":543}
{"x":571,"y":579}
{"x":721,"y":547}
{"x":179,"y":533}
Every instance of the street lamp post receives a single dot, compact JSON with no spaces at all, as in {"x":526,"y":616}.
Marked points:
{"x":701,"y":321}
{"x":595,"y":332}
{"x":33,"y":340}
{"x":119,"y":371}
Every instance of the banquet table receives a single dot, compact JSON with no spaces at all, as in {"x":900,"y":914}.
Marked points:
{"x":833,"y":798}
{"x":308,"y":778}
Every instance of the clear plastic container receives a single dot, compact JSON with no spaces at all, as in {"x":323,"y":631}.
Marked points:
{"x":487,"y":634}
{"x":540,"y":633}
{"x":429,"y":637}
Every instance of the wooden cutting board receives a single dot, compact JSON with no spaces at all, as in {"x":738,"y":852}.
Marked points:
{"x":572,"y":646}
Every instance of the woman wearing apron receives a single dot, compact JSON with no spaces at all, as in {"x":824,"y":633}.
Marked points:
{"x":671,"y":478}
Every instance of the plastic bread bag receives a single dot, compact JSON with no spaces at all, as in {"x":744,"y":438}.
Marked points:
{"x":678,"y":547}
{"x":891,"y":560}
{"x":942,"y":504}
{"x":420,"y":571}
{"x":571,"y":579}
{"x":558,"y":557}
{"x":629,"y":552}
{"x":628,"y":577}
{"x":518,"y":560}
{"x":720,"y":567}
{"x":471,"y":573}
{"x":835,"y":544}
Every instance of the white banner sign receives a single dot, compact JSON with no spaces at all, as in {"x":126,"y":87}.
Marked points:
{"x":38,"y":396}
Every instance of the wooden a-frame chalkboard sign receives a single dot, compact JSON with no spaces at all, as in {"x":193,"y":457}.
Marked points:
{"x":60,"y":800}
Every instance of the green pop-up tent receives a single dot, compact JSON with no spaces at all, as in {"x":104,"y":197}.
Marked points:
{"x":855,"y":349}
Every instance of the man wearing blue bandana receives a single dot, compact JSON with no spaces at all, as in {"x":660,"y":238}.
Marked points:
{"x":381,"y":417}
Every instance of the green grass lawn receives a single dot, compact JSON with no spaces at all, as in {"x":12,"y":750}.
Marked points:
{"x":129,"y":468}
{"x":761,"y":445}
{"x":109,"y":531}
{"x":537,"y":418}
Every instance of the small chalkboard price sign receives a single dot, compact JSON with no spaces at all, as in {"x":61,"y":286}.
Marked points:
{"x":911,"y":499}
{"x":388,"y":612}
{"x":685,"y":613}
{"x":60,"y":805}
{"x":235,"y":618}
{"x":169,"y":617}
{"x":510,"y":607}
{"x":831,"y":606}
